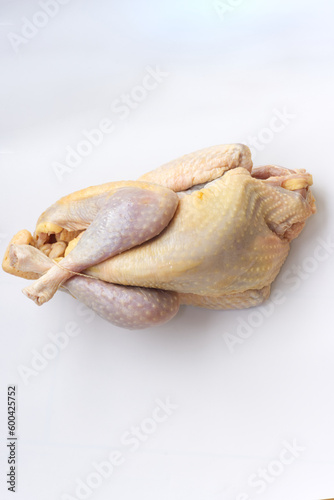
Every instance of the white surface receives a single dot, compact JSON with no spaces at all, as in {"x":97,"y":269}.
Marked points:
{"x":236,"y":410}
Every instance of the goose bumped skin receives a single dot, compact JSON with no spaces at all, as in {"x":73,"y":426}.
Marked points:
{"x":207,"y":229}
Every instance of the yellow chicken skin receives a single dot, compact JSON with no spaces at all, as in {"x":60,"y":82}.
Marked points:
{"x":208,"y":229}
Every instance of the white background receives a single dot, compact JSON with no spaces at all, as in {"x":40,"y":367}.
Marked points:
{"x":227,"y":73}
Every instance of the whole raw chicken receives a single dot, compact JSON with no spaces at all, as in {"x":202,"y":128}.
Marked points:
{"x":206,"y":229}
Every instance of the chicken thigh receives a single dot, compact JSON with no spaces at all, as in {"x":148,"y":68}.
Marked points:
{"x":207,"y":229}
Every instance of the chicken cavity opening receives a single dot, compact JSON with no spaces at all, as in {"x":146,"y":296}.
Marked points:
{"x":297,"y":180}
{"x":54,"y":245}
